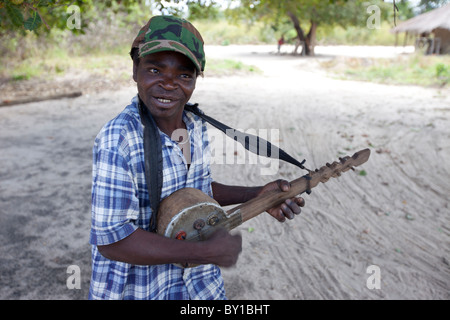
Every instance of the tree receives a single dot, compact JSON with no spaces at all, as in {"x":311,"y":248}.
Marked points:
{"x":42,"y":15}
{"x":405,"y":10}
{"x":312,"y":12}
{"x":32,"y":14}
{"x":20,"y":15}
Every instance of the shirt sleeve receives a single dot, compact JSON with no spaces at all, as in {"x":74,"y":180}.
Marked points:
{"x":115,"y":205}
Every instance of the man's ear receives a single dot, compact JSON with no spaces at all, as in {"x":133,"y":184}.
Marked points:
{"x":135,"y":69}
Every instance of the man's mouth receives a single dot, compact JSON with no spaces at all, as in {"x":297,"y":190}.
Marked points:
{"x":162,"y":100}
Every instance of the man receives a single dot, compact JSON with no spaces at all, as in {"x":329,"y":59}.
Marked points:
{"x":130,"y":261}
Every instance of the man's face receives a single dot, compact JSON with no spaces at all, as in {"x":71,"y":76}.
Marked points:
{"x":165,"y":81}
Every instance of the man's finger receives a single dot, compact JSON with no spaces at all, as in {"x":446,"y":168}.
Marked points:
{"x":284,"y":185}
{"x":293,"y":207}
{"x":279,"y":215}
{"x":300,"y":201}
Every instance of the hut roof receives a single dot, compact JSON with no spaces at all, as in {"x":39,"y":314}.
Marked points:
{"x":426,"y":22}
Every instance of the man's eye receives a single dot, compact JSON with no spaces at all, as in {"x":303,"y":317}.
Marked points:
{"x":153,"y":70}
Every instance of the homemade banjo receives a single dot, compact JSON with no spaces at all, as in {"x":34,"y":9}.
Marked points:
{"x":191,"y":215}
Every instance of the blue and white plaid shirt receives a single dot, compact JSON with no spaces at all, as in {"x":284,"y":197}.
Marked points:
{"x":120,"y":205}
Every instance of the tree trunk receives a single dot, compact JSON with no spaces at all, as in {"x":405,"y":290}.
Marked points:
{"x":310,"y":40}
{"x":311,"y":37}
{"x":300,"y":34}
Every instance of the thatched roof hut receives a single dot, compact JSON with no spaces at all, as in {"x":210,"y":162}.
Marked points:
{"x":436,"y":22}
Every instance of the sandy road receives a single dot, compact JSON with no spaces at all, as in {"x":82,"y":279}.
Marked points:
{"x":396,"y":216}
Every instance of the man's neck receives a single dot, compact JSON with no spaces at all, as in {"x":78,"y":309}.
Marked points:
{"x":166,"y":125}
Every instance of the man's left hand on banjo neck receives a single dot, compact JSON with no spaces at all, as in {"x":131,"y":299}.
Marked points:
{"x":229,"y":195}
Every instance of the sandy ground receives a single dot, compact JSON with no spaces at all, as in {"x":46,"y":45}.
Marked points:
{"x":395,"y":217}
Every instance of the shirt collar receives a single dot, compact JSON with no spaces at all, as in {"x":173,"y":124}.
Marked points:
{"x":190,"y":123}
{"x":188,"y":119}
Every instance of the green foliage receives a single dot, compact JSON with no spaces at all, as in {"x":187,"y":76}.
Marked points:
{"x":219,"y":67}
{"x":363,"y":173}
{"x":14,"y":14}
{"x":323,"y":12}
{"x":200,"y":10}
{"x":223,"y":32}
{"x":32,"y":14}
{"x":405,"y":10}
{"x":443,"y":73}
{"x":33,"y":22}
{"x":354,"y":35}
{"x":414,"y":69}
{"x":315,"y":14}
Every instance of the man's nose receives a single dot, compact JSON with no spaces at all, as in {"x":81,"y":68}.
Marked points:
{"x":168,"y":82}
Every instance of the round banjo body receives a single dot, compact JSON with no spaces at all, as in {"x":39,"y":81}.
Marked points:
{"x":189,"y":214}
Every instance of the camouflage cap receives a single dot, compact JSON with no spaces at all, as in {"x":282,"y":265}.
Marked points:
{"x":167,"y":33}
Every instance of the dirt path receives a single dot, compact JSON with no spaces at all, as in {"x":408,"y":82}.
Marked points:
{"x":395,"y":217}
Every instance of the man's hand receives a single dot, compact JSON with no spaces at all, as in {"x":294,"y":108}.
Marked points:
{"x":223,"y":248}
{"x":287,"y":209}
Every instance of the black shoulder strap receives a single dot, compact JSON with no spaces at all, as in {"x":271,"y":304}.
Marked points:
{"x":153,"y":162}
{"x":250,"y":142}
{"x":153,"y":152}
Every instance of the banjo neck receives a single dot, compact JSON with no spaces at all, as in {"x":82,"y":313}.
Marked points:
{"x":270,"y":199}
